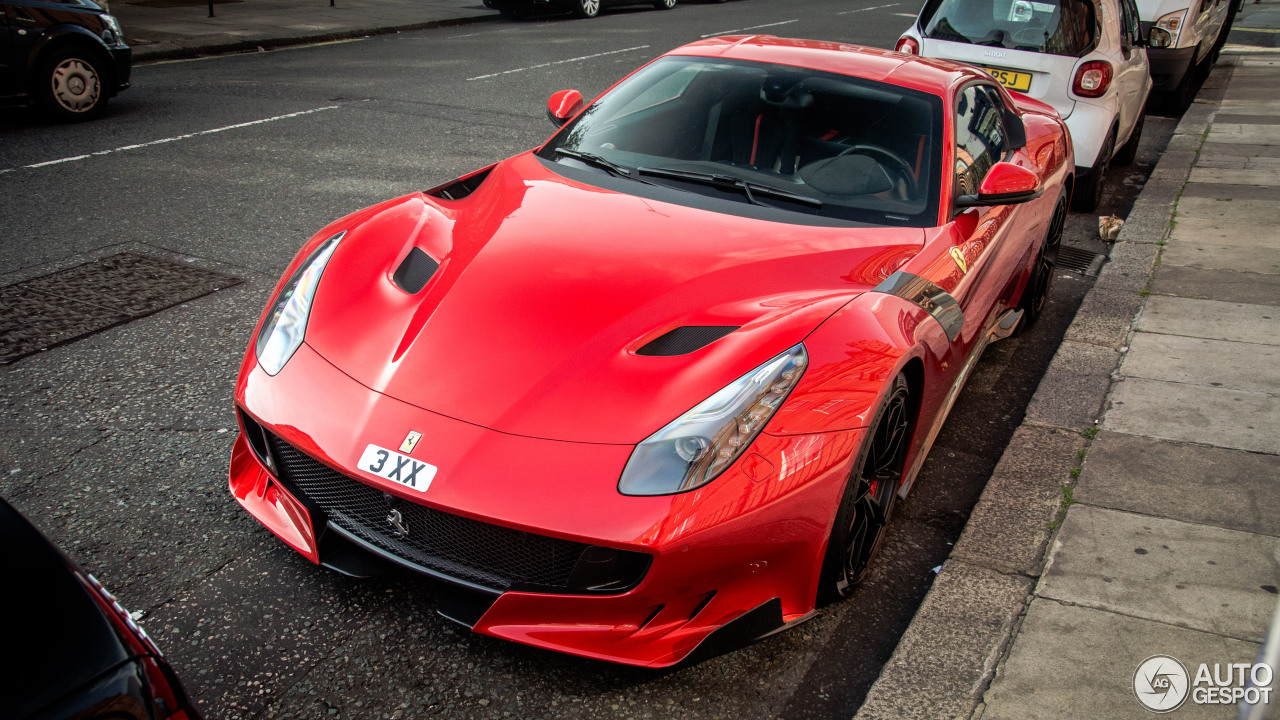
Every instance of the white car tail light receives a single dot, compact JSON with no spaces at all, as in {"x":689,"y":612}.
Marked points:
{"x":1092,"y":79}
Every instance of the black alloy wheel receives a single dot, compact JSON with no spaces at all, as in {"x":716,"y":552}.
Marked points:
{"x":869,"y":497}
{"x":1036,"y":295}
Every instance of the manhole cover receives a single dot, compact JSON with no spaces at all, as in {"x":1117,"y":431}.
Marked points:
{"x":69,"y":304}
{"x":1079,"y":260}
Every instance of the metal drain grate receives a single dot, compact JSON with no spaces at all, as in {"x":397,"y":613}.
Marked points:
{"x":66,"y":305}
{"x":1079,"y":260}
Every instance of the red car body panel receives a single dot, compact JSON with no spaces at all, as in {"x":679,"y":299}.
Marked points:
{"x":517,"y":364}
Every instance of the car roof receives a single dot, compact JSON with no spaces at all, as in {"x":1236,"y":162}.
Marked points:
{"x":929,"y":75}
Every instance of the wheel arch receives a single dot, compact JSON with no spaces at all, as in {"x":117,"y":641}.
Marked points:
{"x":69,"y":36}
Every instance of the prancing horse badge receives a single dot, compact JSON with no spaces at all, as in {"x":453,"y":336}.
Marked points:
{"x":410,"y":441}
{"x":958,"y":255}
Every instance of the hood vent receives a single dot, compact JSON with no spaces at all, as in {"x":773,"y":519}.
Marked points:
{"x":461,"y":187}
{"x":415,"y":272}
{"x":684,"y":340}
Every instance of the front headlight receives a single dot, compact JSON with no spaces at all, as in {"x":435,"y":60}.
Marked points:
{"x":113,"y":34}
{"x":286,"y":324}
{"x":1173,"y":24}
{"x":696,"y":447}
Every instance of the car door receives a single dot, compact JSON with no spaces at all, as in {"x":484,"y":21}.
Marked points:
{"x":974,"y":255}
{"x":8,"y":75}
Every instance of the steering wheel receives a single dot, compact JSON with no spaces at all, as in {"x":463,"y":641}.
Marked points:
{"x":895,"y":162}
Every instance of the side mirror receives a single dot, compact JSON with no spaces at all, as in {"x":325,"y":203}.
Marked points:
{"x":1159,"y":38}
{"x":564,"y":105}
{"x":1005,"y":184}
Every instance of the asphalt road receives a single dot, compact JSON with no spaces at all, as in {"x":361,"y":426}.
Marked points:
{"x":116,"y":445}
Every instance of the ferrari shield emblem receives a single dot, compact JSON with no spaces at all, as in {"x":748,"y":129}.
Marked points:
{"x":958,"y":255}
{"x":410,"y":441}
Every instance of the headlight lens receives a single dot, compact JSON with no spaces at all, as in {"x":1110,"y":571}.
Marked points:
{"x":113,"y":34}
{"x":1172,"y":23}
{"x":286,"y":324}
{"x":696,"y":447}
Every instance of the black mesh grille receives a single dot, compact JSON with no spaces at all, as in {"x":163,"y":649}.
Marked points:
{"x":416,"y":270}
{"x":684,"y":340}
{"x":484,"y":554}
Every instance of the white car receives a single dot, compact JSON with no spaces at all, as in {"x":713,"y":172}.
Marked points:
{"x":1086,"y":58}
{"x":1198,"y":29}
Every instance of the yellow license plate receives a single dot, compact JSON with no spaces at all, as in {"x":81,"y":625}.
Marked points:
{"x":1010,"y":79}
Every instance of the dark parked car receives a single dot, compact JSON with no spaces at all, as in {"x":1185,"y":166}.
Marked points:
{"x":73,"y":651}
{"x":69,"y":56}
{"x":581,"y":8}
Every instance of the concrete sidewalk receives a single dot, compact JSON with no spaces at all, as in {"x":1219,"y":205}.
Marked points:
{"x":162,"y":29}
{"x":1164,"y":402}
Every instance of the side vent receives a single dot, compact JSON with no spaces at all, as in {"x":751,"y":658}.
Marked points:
{"x":416,"y":270}
{"x":684,"y":340}
{"x":461,"y":187}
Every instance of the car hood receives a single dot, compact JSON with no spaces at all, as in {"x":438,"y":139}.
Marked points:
{"x":547,"y":287}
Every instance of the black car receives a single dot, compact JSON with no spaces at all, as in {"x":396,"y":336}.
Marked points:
{"x":581,"y":8}
{"x":67,"y":55}
{"x":72,"y":651}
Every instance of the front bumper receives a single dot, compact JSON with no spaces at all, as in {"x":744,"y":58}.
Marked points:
{"x":1169,"y":66}
{"x":741,"y":553}
{"x":121,"y":67}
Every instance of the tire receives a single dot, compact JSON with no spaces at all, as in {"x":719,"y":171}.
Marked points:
{"x":512,"y":14}
{"x":664,"y":4}
{"x":586,"y":8}
{"x":1088,"y":191}
{"x":1036,"y":294}
{"x":72,"y":85}
{"x":1179,"y":99}
{"x":1129,"y":151}
{"x":869,"y":497}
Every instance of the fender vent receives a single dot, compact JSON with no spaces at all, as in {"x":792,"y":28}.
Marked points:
{"x":416,"y":270}
{"x":684,"y":340}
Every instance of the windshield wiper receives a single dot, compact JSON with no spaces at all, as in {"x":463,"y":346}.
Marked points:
{"x":748,"y":188}
{"x":596,"y":161}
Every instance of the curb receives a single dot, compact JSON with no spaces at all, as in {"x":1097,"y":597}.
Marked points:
{"x":962,"y":632}
{"x":158,"y":51}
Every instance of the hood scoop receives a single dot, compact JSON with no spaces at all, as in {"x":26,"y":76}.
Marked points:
{"x":684,"y":340}
{"x":415,"y":272}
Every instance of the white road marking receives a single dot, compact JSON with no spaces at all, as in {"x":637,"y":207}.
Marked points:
{"x":170,"y":139}
{"x":910,"y":15}
{"x":877,"y":7}
{"x":753,"y":27}
{"x":557,"y":62}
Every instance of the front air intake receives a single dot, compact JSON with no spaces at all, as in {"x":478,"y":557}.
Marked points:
{"x":415,"y":272}
{"x":684,"y":340}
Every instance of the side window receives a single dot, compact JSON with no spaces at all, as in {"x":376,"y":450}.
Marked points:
{"x":1132,"y":21}
{"x":980,"y":137}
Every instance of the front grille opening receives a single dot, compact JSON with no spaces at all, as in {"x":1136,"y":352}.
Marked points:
{"x":256,"y":437}
{"x":480,"y":553}
{"x":684,"y":340}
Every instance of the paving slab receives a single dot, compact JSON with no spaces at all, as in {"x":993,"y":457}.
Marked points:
{"x":1224,"y":257}
{"x":1008,"y":529}
{"x":1191,"y":413}
{"x":1173,"y":480}
{"x":1214,"y":363}
{"x":1079,"y":662}
{"x":1074,"y":387}
{"x":1238,"y":133}
{"x":1130,"y":262}
{"x":1230,"y":193}
{"x":1258,"y":176}
{"x":1173,"y":572}
{"x":1224,"y":285}
{"x":1105,"y":317}
{"x":1212,"y":149}
{"x":951,"y":648}
{"x":1211,"y":319}
{"x":1226,"y":224}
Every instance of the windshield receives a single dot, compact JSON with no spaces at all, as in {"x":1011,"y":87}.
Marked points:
{"x":786,"y":138}
{"x":1057,"y":27}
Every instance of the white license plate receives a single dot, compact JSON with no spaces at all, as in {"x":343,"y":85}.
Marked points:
{"x":402,"y":469}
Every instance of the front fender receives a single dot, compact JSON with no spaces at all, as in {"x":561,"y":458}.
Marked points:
{"x":852,"y":358}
